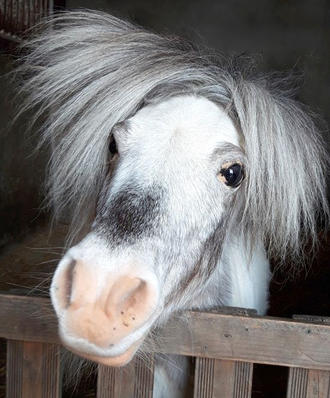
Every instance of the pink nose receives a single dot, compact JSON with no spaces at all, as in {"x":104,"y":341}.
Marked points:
{"x":102,"y":312}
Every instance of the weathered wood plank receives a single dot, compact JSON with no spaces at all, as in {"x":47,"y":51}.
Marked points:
{"x":308,"y":383}
{"x":51,"y":371}
{"x":204,"y":377}
{"x":305,"y":383}
{"x":27,"y":319}
{"x":216,"y":378}
{"x":14,"y":369}
{"x":243,"y":338}
{"x":318,"y":385}
{"x":297,"y":383}
{"x":105,"y":382}
{"x":222,"y":378}
{"x":116,"y":382}
{"x":133,"y":380}
{"x":144,"y":376}
{"x":243,"y":380}
{"x":33,"y":370}
{"x":249,"y":339}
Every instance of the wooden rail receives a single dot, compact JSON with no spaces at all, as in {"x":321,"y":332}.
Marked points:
{"x":18,"y":15}
{"x":225,"y":345}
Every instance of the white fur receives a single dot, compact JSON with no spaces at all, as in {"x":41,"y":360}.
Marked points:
{"x":248,"y":273}
{"x":187,"y":130}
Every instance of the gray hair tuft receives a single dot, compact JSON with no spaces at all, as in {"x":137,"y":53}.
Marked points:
{"x":89,"y":71}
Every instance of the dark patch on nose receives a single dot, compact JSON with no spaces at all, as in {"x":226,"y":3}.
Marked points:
{"x":132,"y":213}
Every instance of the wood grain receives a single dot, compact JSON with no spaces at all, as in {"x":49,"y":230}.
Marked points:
{"x":216,"y":378}
{"x":33,"y":370}
{"x":267,"y":340}
{"x":116,"y":382}
{"x":273,"y":341}
{"x":134,"y":380}
{"x":204,"y":377}
{"x":309,"y":383}
{"x":297,"y":383}
{"x":27,"y":319}
{"x":14,"y":369}
{"x":318,"y":385}
{"x":144,"y":376}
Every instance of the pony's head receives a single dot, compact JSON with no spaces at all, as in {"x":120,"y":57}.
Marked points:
{"x":161,"y":151}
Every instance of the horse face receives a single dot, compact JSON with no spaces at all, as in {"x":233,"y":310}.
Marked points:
{"x":158,"y":231}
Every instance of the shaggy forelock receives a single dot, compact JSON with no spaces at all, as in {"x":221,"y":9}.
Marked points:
{"x":89,"y":71}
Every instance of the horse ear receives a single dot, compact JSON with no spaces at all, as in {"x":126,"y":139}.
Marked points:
{"x":286,"y":187}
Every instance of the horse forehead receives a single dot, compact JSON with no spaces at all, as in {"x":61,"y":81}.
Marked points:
{"x":185,"y":120}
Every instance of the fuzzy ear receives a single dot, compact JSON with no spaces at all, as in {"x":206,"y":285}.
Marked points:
{"x":286,"y":187}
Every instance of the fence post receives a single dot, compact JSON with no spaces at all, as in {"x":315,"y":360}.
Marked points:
{"x":33,"y":370}
{"x":309,"y":383}
{"x":217,"y":378}
{"x":134,"y":380}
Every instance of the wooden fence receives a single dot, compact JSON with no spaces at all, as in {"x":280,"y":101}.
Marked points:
{"x":225,"y":345}
{"x":16,"y":16}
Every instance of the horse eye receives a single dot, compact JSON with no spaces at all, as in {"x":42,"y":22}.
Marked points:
{"x":232,"y":175}
{"x":113,"y":146}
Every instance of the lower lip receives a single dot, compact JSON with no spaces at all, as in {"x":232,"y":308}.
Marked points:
{"x":116,"y":361}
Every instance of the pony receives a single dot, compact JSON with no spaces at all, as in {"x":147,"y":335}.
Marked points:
{"x":182,"y":171}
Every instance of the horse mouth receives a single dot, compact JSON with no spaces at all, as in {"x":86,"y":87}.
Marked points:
{"x":115,"y":361}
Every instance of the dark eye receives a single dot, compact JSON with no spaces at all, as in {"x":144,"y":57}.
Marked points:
{"x":113,"y":146}
{"x":232,"y":175}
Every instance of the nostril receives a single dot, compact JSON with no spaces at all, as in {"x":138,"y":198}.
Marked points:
{"x":129,"y":303}
{"x":99,"y":310}
{"x":64,"y":285}
{"x":131,"y":295}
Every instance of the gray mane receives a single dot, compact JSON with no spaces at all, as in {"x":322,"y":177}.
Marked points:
{"x":88,"y":71}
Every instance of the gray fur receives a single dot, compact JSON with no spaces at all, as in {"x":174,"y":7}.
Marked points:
{"x":90,"y":71}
